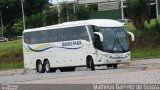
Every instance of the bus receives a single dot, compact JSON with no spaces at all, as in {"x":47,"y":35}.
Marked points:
{"x":74,"y":44}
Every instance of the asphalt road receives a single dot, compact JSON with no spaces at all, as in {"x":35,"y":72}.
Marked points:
{"x":139,"y":71}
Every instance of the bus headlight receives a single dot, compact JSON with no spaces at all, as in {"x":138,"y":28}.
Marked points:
{"x":127,"y":55}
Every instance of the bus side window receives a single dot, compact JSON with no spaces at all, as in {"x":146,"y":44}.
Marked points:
{"x":60,"y":35}
{"x":44,"y":36}
{"x":65,"y":35}
{"x":81,"y":33}
{"x":50,"y":35}
{"x":77,"y":33}
{"x":27,"y":38}
{"x":97,"y":42}
{"x":34,"y":37}
{"x":95,"y":38}
{"x":69,"y":33}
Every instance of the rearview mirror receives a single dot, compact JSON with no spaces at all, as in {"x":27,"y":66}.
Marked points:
{"x":100,"y":36}
{"x":132,"y":35}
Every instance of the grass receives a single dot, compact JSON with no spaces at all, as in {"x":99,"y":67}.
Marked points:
{"x":130,"y":27}
{"x":145,"y":45}
{"x":141,"y":53}
{"x":11,"y":65}
{"x":11,"y":54}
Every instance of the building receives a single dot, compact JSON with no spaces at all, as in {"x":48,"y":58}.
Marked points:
{"x":115,"y":9}
{"x":111,"y":9}
{"x":153,"y":12}
{"x":101,"y":5}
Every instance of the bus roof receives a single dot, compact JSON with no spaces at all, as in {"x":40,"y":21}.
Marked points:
{"x":95,"y":22}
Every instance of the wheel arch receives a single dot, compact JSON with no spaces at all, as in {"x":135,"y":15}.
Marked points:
{"x":38,"y":60}
{"x":88,"y":56}
{"x":46,"y":59}
{"x":88,"y":60}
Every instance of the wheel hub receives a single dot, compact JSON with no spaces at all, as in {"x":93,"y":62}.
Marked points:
{"x":39,"y":67}
{"x":47,"y":67}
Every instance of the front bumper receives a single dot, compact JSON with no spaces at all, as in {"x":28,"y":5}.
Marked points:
{"x":108,"y":58}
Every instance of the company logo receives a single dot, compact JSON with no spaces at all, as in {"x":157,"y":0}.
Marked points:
{"x":72,"y":43}
{"x":65,"y":45}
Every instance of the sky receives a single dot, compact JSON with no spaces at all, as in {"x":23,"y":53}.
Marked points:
{"x":55,"y":1}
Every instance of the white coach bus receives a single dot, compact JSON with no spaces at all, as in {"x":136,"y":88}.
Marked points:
{"x":80,"y":43}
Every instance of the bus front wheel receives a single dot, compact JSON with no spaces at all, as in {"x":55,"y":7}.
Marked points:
{"x":91,"y":63}
{"x":40,"y":67}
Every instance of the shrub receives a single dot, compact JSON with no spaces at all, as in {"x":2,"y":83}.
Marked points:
{"x":51,"y":16}
{"x":34,"y":21}
{"x":17,"y":28}
{"x":148,"y":37}
{"x":64,"y":11}
{"x":83,"y":12}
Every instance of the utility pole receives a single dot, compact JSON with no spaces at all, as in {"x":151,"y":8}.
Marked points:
{"x":59,"y":20}
{"x":157,"y":9}
{"x":1,"y":24}
{"x":74,"y":7}
{"x":51,"y":2}
{"x":67,"y":10}
{"x":122,"y":11}
{"x":24,"y":27}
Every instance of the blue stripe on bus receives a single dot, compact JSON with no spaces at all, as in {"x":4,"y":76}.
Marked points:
{"x":50,"y":48}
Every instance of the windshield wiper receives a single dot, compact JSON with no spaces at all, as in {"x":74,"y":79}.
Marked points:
{"x":114,"y":42}
{"x":117,"y":43}
{"x":120,"y":44}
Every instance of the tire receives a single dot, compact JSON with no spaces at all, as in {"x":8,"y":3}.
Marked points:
{"x":115,"y":66}
{"x":92,"y":66}
{"x":40,"y":67}
{"x":88,"y":64}
{"x":47,"y":66}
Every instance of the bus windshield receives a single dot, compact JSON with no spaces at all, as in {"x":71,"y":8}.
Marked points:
{"x":115,"y":39}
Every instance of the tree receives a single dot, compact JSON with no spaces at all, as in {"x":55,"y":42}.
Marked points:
{"x":35,"y":21}
{"x":64,"y":11}
{"x":17,"y":28}
{"x":83,"y":12}
{"x":34,"y":6}
{"x":138,"y":11}
{"x":51,"y":16}
{"x":11,"y":11}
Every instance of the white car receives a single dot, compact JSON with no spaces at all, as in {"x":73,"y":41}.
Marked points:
{"x":2,"y":39}
{"x":125,"y":21}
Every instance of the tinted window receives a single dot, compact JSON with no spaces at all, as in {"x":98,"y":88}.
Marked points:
{"x":26,"y":37}
{"x":91,"y":31}
{"x":63,"y":34}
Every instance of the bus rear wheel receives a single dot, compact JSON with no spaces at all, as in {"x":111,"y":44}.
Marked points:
{"x":40,"y":67}
{"x":47,"y":66}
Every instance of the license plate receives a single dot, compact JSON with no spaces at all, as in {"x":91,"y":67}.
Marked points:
{"x":118,"y":60}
